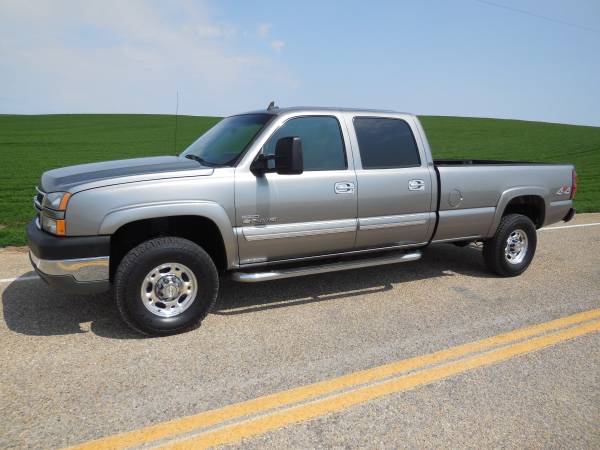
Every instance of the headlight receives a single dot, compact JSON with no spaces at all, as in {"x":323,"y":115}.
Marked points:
{"x":56,"y":200}
{"x":54,"y":226}
{"x":52,"y":216}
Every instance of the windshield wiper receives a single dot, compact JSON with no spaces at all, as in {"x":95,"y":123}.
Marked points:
{"x":203,"y":161}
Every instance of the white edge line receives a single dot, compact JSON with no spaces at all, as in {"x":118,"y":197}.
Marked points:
{"x":571,"y":226}
{"x":35,"y":277}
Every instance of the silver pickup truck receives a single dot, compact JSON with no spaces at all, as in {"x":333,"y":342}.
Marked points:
{"x":280,"y":193}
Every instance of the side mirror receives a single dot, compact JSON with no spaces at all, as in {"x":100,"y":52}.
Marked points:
{"x":260,"y":165}
{"x":288,"y":156}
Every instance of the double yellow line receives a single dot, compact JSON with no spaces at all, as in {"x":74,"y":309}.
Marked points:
{"x":270,"y":412}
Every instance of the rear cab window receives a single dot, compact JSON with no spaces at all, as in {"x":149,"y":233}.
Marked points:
{"x":386,"y":143}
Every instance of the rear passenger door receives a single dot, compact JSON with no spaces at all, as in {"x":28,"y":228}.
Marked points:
{"x":395,"y":182}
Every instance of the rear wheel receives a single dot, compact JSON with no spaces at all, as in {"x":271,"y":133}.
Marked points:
{"x":511,"y":250}
{"x":165,"y":286}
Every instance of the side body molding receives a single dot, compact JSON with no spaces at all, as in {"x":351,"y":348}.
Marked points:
{"x":116,"y":218}
{"x":512,"y":193}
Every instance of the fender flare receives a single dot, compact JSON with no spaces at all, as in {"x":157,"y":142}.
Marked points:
{"x":116,"y":218}
{"x":511,"y":194}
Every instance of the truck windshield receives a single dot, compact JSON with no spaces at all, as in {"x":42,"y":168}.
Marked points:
{"x":226,"y":141}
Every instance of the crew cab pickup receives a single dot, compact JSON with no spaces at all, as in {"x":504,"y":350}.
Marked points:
{"x":280,"y":193}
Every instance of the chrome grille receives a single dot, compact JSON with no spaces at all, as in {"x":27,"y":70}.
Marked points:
{"x":38,"y":199}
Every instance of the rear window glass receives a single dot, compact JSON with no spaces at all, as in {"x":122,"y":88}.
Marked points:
{"x":385,"y":143}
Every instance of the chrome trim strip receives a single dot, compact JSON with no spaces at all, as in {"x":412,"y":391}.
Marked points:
{"x":260,"y":237}
{"x":82,"y":269}
{"x":36,"y":204}
{"x":392,"y":225}
{"x":464,"y":238}
{"x":255,"y":277}
{"x":404,"y":220}
{"x":303,"y":229}
{"x":561,"y":203}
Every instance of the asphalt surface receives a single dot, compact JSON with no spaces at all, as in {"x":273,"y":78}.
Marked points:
{"x":72,"y":371}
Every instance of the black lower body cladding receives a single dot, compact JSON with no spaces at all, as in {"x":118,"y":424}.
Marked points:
{"x":569,"y":215}
{"x":72,"y":264}
{"x":46,"y":246}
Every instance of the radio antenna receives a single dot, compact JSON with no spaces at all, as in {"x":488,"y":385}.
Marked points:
{"x":175,"y":134}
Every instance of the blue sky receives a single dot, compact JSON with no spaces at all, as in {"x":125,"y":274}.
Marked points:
{"x":441,"y":57}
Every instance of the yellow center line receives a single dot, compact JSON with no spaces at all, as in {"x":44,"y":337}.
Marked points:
{"x":279,"y":419}
{"x":205,"y":419}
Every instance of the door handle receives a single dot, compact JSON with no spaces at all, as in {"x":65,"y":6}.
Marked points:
{"x":344,"y":187}
{"x":416,"y":185}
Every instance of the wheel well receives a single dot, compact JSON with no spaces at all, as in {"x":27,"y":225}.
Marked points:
{"x":531,"y":206}
{"x":200,"y":230}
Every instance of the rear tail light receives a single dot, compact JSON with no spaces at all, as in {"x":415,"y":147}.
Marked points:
{"x":573,"y":184}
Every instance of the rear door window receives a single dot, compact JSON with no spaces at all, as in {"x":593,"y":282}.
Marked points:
{"x":386,"y":143}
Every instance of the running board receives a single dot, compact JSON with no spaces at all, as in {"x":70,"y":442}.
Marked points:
{"x":278,"y":274}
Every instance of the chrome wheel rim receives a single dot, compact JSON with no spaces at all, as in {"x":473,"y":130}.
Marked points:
{"x":516,"y":247}
{"x":169,"y":289}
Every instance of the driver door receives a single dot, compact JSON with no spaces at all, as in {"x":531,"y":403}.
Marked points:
{"x":280,"y":217}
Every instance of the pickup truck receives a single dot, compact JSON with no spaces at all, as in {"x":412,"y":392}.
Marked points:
{"x":279,"y":193}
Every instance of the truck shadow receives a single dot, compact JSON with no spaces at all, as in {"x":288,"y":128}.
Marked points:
{"x":31,"y":308}
{"x":440,"y":260}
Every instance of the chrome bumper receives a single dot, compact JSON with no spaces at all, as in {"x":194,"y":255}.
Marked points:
{"x":82,"y":270}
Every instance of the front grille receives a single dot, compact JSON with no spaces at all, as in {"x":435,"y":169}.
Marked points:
{"x":38,"y":199}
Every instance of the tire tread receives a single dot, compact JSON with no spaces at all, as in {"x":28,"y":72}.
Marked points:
{"x":493,"y":249}
{"x":129,"y":262}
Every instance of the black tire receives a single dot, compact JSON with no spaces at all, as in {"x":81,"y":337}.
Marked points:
{"x":130,"y":278}
{"x":494,"y":253}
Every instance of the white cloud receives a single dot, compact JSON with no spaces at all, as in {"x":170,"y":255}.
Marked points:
{"x":277,"y":45}
{"x":264,"y":29}
{"x":214,"y":31}
{"x":115,"y":56}
{"x":263,"y":32}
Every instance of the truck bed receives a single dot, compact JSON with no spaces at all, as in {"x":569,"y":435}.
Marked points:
{"x":468,"y":198}
{"x":487,"y":162}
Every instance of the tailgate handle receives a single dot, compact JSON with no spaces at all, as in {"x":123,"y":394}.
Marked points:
{"x":416,"y":185}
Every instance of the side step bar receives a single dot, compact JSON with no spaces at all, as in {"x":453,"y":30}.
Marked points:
{"x":277,"y":274}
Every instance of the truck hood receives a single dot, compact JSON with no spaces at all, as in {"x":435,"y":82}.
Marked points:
{"x":85,"y":176}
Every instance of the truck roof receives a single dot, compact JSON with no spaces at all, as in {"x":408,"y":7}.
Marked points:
{"x":321,"y":109}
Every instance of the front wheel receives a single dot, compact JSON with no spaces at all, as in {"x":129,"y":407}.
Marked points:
{"x":511,"y":250}
{"x":165,"y":286}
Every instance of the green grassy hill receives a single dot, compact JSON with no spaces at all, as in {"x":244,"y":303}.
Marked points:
{"x":30,"y":145}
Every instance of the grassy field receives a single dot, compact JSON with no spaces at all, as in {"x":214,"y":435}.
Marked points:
{"x":30,"y":145}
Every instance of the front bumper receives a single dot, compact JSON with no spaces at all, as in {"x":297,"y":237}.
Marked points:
{"x":80,"y":276}
{"x":70,"y":263}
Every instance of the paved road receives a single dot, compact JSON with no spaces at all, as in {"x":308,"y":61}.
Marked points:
{"x":72,"y":372}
